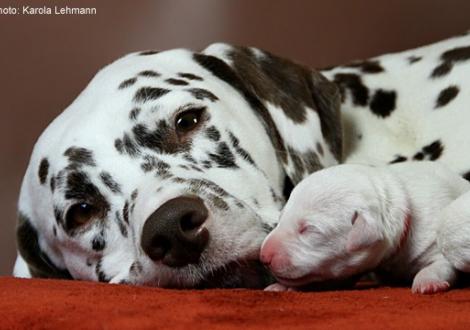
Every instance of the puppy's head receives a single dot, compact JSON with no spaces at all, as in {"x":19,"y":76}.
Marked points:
{"x":169,"y":169}
{"x":330,"y":229}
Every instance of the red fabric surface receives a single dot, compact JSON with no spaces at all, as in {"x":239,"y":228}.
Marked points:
{"x":44,"y":304}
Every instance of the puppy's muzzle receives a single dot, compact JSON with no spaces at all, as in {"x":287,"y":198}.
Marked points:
{"x":174,"y":234}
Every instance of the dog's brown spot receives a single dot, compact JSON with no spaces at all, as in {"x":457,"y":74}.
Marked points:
{"x":43,"y":170}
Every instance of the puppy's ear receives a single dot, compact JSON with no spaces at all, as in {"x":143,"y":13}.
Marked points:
{"x":38,"y":262}
{"x":363,"y":234}
{"x":290,"y":99}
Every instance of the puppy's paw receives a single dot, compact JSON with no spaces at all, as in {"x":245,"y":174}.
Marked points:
{"x":277,"y":287}
{"x":430,"y":286}
{"x":436,"y":277}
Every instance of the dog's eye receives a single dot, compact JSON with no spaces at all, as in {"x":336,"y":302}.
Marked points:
{"x":188,"y":120}
{"x":79,"y":214}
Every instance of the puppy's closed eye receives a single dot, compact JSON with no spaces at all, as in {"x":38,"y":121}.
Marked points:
{"x":305,"y":227}
{"x":302,"y":229}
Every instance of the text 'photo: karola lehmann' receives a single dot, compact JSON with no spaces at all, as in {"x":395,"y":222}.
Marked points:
{"x":47,"y":10}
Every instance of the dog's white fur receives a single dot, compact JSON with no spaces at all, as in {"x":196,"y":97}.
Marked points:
{"x":351,"y":219}
{"x":415,"y":122}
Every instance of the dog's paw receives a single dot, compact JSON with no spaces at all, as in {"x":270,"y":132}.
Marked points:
{"x":430,"y":286}
{"x":277,"y":287}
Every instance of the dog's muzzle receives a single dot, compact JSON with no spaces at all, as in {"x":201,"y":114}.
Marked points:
{"x":174,"y":234}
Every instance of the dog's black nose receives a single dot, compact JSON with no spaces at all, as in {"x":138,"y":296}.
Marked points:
{"x":174,"y":233}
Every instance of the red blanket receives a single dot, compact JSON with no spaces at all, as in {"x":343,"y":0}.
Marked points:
{"x":42,"y":304}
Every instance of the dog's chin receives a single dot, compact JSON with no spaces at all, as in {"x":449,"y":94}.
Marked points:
{"x":249,"y":274}
{"x":238,"y":274}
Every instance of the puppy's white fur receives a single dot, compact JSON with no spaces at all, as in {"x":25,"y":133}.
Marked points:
{"x":351,"y":219}
{"x":454,"y":233}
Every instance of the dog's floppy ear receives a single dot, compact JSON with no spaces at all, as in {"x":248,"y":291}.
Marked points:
{"x":363,"y":234}
{"x":298,"y":106}
{"x":38,"y":262}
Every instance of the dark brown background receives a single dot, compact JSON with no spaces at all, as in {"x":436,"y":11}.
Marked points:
{"x":45,"y":61}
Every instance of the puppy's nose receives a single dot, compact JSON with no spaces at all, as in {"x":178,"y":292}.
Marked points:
{"x":271,"y":250}
{"x":266,"y":257}
{"x":174,"y":233}
{"x":267,"y":253}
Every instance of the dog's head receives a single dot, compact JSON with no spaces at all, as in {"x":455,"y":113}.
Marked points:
{"x":330,"y":229}
{"x":170,"y":168}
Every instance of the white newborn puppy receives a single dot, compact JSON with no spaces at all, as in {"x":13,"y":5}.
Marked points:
{"x":351,"y":219}
{"x":454,"y":233}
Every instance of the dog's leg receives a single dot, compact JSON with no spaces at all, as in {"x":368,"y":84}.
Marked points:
{"x":21,"y":268}
{"x":436,"y":277}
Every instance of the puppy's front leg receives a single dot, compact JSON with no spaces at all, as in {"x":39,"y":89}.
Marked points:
{"x":278,"y":287}
{"x":436,"y":277}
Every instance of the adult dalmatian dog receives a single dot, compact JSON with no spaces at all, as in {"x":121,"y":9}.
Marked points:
{"x":170,"y":168}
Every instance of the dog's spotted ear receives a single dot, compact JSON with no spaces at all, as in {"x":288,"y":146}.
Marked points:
{"x":38,"y":262}
{"x":298,"y":106}
{"x":363,"y":234}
